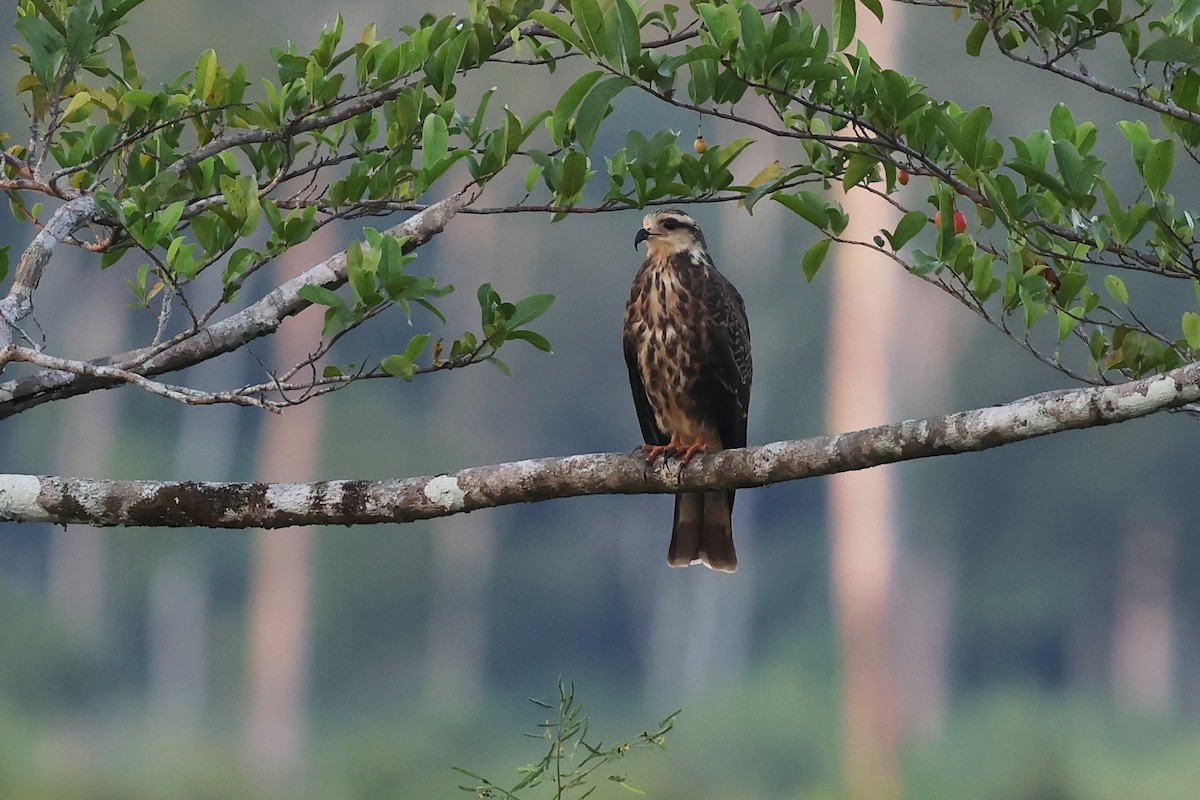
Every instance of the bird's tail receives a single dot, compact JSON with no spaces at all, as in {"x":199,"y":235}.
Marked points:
{"x":703,"y":531}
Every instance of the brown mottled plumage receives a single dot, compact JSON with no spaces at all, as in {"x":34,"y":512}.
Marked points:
{"x":687,"y":346}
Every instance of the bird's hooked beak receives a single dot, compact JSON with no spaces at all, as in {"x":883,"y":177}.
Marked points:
{"x":639,"y":237}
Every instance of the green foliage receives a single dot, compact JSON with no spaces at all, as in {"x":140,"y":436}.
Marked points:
{"x":186,"y":173}
{"x":573,"y":766}
{"x":1040,"y":244}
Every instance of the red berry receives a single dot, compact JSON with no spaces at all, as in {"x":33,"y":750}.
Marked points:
{"x":960,"y":221}
{"x":902,"y":177}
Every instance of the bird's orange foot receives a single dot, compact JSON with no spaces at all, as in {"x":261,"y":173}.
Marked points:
{"x":686,"y":454}
{"x":653,"y":452}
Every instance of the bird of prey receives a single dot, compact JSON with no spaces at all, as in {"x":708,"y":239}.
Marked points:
{"x":687,"y":346}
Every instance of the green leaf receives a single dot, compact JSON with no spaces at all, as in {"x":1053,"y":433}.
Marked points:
{"x":398,"y":366}
{"x":590,"y":20}
{"x":808,"y":205}
{"x":814,"y":257}
{"x":1173,"y":49}
{"x":875,"y":7}
{"x":859,"y":167}
{"x":559,"y":27}
{"x":79,"y":101}
{"x":435,"y":140}
{"x":843,"y":23}
{"x":450,"y":57}
{"x":909,"y":226}
{"x":1116,"y":288}
{"x":564,"y":109}
{"x":138,"y":98}
{"x":629,"y":35}
{"x":530,"y":309}
{"x":1160,"y":161}
{"x":974,"y":133}
{"x":535,"y":339}
{"x":1191,"y":329}
{"x":1138,"y":136}
{"x":1066,"y":324}
{"x":1034,"y":310}
{"x":595,"y":108}
{"x":166,"y":220}
{"x":976,"y":38}
{"x":1035,"y":174}
{"x":416,"y":346}
{"x":206,"y":73}
{"x":319,"y":295}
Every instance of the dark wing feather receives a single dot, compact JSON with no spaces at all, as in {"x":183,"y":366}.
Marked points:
{"x":729,"y":368}
{"x":650,"y":431}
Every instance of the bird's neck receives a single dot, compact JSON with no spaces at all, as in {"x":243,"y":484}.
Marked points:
{"x":669,"y":255}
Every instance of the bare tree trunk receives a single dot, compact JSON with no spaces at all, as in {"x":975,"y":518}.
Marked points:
{"x":456,"y":644}
{"x":178,"y":650}
{"x":280,"y":588}
{"x":862,"y":505}
{"x":1143,"y":628}
{"x":922,"y":640}
{"x":77,"y":562}
{"x":464,"y":550}
{"x":934,"y":335}
{"x":862,"y":517}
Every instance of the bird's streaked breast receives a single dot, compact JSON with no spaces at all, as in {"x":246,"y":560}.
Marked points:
{"x":662,"y":315}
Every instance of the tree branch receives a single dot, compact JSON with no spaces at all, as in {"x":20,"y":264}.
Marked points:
{"x":257,"y":320}
{"x":18,"y":304}
{"x":27,"y":498}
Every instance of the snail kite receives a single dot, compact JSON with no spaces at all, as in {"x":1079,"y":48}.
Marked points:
{"x":687,"y":346}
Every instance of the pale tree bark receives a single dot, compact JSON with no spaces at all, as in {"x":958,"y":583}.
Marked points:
{"x":278,"y":668}
{"x":862,"y":512}
{"x":32,"y":498}
{"x":862,"y":506}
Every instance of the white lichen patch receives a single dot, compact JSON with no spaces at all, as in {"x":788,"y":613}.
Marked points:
{"x":290,"y":498}
{"x":19,"y":496}
{"x":444,"y":491}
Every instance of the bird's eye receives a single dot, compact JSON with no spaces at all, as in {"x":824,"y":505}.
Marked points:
{"x":670,"y":224}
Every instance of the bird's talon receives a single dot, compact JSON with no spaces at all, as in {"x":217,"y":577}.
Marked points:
{"x":652,"y":452}
{"x":686,"y":454}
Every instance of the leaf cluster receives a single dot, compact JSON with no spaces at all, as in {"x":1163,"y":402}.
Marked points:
{"x":1050,"y":233}
{"x":202,"y":170}
{"x":573,"y":766}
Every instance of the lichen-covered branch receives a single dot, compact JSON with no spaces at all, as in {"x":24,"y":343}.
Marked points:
{"x":260,"y":319}
{"x":27,"y":498}
{"x":18,"y":304}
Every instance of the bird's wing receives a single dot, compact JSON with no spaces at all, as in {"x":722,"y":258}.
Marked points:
{"x":729,"y":365}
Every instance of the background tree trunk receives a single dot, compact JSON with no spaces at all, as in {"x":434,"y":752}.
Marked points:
{"x":278,"y":669}
{"x":862,"y":505}
{"x":76,"y":568}
{"x":1143,"y":625}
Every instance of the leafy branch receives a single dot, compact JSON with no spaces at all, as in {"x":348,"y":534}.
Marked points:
{"x":573,"y":765}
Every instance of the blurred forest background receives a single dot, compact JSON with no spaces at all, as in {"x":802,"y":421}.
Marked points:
{"x":1046,"y":601}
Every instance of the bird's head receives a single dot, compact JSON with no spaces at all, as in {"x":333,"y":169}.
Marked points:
{"x":669,"y":232}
